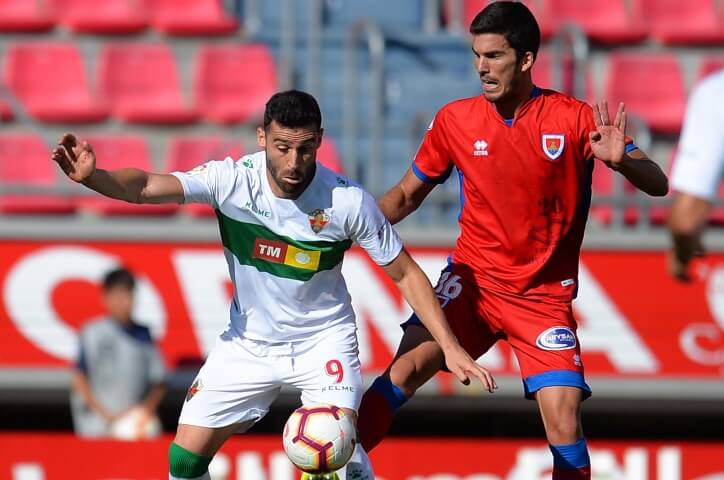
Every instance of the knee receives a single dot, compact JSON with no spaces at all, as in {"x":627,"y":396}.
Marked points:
{"x":405,"y":375}
{"x":185,"y":464}
{"x":560,"y":408}
{"x":563,"y":429}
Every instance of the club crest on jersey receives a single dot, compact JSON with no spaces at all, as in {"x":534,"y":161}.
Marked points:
{"x":553,"y":145}
{"x":318,"y":220}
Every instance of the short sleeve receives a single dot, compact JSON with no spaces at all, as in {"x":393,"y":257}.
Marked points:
{"x":208,"y":182}
{"x":433,"y":161}
{"x":698,"y":165}
{"x":371,"y":231}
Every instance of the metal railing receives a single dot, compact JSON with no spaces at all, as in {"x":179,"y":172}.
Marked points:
{"x":375,"y":47}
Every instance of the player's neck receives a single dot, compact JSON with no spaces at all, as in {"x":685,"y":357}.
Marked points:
{"x":508,"y":108}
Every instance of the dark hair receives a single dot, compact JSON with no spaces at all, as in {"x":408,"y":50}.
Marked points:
{"x":118,"y":277}
{"x":514,"y":21}
{"x":293,"y":109}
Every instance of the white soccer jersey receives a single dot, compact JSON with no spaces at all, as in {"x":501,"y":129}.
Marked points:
{"x":698,"y":166}
{"x":285,"y":256}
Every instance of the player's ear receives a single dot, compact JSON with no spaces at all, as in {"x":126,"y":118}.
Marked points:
{"x":320,"y":135}
{"x":261,"y":137}
{"x":527,"y":61}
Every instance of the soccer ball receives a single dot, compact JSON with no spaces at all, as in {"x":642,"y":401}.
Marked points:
{"x":319,"y":438}
{"x":135,"y":425}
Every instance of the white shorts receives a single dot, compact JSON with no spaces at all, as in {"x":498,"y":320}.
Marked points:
{"x":235,"y":385}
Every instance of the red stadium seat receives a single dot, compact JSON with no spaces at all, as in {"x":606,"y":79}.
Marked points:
{"x":472,"y":7}
{"x":603,"y":185}
{"x":121,"y":152}
{"x":652,"y":87}
{"x":191,"y":17}
{"x":603,"y":21}
{"x":543,"y":75}
{"x":141,"y":84}
{"x":682,"y":22}
{"x":50,"y":81}
{"x":185,"y":153}
{"x":710,"y":65}
{"x":6,"y":113}
{"x":25,"y":162}
{"x":234,"y":82}
{"x":101,"y":16}
{"x":24,"y":16}
{"x":328,"y":156}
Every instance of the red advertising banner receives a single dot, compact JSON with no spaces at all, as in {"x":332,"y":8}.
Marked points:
{"x":635,"y":321}
{"x":63,"y":456}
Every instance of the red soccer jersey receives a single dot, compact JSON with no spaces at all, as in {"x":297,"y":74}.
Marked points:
{"x":526,"y":189}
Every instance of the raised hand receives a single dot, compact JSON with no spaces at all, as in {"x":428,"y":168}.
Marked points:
{"x":608,"y":141}
{"x":463,"y":367}
{"x":77,"y":161}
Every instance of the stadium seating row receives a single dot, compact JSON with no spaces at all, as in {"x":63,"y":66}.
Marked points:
{"x":26,"y":166}
{"x":652,"y":86}
{"x":671,"y":22}
{"x":603,"y":184}
{"x":173,"y":17}
{"x":606,"y":21}
{"x":139,"y":83}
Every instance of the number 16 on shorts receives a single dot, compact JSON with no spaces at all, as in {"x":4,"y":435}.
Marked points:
{"x":448,"y":287}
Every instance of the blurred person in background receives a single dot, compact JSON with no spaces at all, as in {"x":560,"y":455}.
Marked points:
{"x":118,"y":380}
{"x":696,"y":172}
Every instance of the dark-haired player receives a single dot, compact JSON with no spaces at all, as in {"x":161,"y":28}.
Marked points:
{"x":285,"y":224}
{"x":524,"y":156}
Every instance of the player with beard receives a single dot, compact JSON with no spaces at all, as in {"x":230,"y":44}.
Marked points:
{"x":285,"y":224}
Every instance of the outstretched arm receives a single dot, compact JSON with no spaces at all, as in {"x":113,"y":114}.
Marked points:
{"x":418,"y":292}
{"x":608,"y":143}
{"x":405,"y":197}
{"x":132,"y":185}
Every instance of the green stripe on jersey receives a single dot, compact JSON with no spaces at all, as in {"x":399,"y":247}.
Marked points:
{"x":257,"y":246}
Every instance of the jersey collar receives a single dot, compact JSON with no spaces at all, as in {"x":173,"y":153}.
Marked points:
{"x":535,"y":93}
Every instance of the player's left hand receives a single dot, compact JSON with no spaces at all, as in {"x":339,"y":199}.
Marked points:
{"x":463,"y":367}
{"x":608,"y":141}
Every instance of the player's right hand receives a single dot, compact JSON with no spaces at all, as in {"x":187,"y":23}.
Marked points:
{"x":77,"y":161}
{"x":463,"y":367}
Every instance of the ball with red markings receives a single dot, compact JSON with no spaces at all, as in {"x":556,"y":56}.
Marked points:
{"x":319,"y":438}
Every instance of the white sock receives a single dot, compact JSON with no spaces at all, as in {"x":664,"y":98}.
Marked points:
{"x":359,"y":464}
{"x":205,"y":476}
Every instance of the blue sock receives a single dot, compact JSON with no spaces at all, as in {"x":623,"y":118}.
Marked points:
{"x":571,"y":457}
{"x":393,"y":394}
{"x":377,"y":411}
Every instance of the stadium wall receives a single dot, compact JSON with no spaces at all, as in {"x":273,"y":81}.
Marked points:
{"x":262,"y":458}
